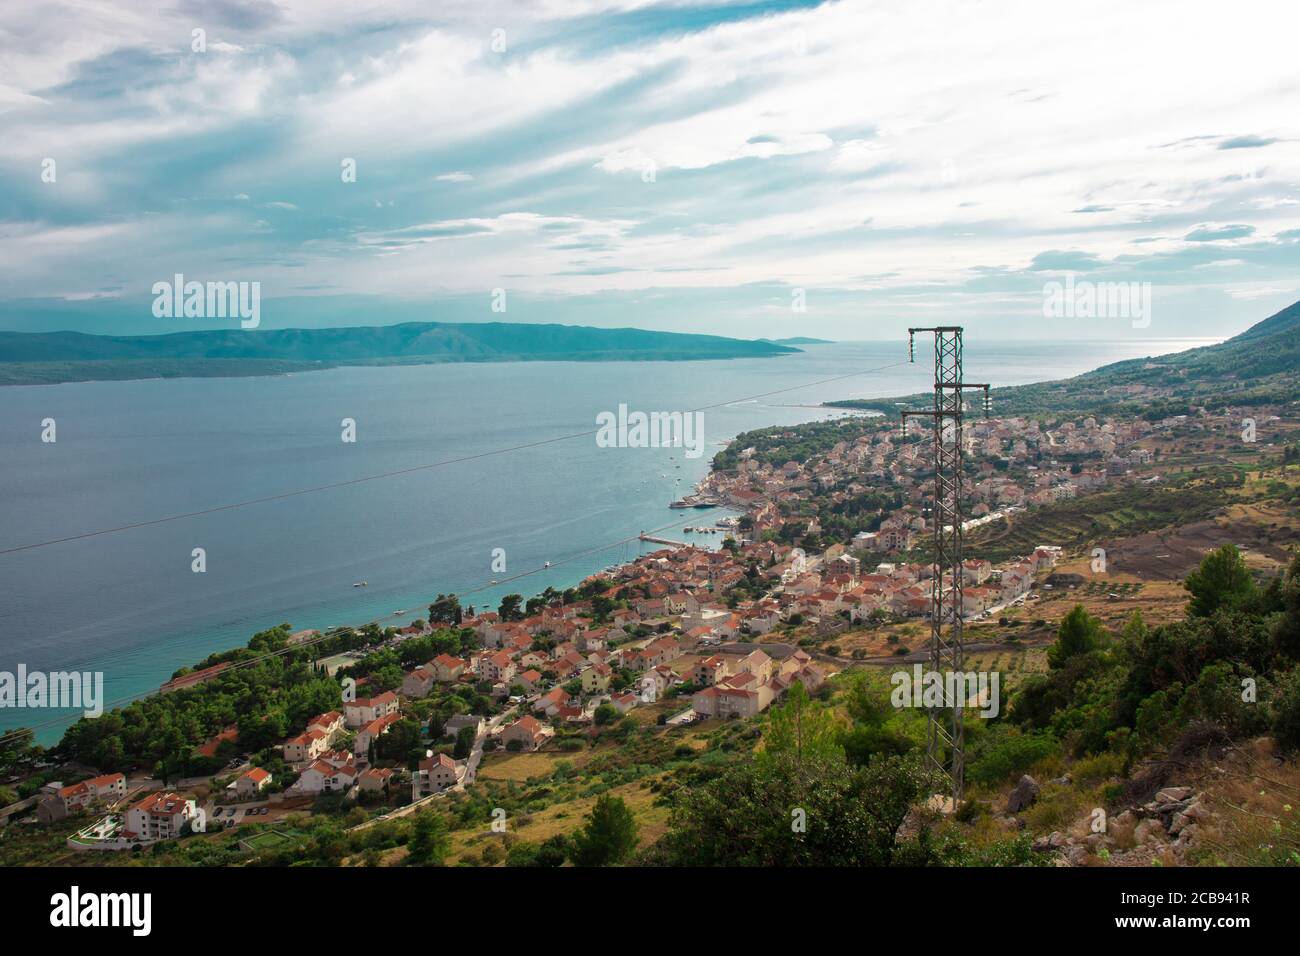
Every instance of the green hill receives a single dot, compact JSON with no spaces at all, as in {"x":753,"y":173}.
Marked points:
{"x":1261,"y":366}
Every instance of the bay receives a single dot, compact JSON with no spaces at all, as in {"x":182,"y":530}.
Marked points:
{"x":128,"y":453}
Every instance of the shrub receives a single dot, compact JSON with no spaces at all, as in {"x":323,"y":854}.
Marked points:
{"x":1286,"y":711}
{"x":1012,"y":755}
{"x":1094,"y":770}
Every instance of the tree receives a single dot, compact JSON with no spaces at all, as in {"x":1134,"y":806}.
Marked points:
{"x":1222,"y":581}
{"x":871,"y":734}
{"x":464,"y":743}
{"x":605,"y":714}
{"x":608,"y":837}
{"x":773,"y":813}
{"x":445,"y":610}
{"x":1079,"y":633}
{"x":550,"y":852}
{"x":510,"y":608}
{"x":1287,"y":629}
{"x":801,"y":729}
{"x":429,"y":841}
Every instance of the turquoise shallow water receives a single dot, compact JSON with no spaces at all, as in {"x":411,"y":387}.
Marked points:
{"x":129,"y":605}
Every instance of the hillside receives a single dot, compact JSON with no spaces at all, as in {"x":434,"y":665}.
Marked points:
{"x":46,"y":357}
{"x":1258,"y":367}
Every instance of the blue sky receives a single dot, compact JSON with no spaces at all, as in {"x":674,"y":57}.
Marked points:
{"x":669,"y":165}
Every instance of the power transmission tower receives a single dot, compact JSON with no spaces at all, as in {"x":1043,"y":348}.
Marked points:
{"x":946,"y":747}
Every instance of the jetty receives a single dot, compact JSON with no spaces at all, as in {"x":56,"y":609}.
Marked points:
{"x":668,"y":541}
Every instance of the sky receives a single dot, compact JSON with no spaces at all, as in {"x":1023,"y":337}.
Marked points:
{"x":840,"y":170}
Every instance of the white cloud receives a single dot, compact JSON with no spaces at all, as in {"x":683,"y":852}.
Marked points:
{"x":914,"y":143}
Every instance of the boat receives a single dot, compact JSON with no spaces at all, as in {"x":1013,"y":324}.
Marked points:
{"x":547,"y":564}
{"x":359,"y":584}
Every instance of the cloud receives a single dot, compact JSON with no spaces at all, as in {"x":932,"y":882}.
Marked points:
{"x":902,"y":152}
{"x":1216,"y":233}
{"x":1246,"y":142}
{"x":1064,"y":261}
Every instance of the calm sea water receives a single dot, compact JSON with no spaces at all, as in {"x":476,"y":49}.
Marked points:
{"x":129,"y":605}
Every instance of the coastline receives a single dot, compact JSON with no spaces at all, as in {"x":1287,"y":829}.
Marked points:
{"x":130,"y":638}
{"x":565,"y":573}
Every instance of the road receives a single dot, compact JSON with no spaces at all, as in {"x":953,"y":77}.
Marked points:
{"x":476,"y":755}
{"x":471,"y":770}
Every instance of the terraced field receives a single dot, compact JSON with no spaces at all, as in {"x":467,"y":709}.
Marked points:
{"x":1077,"y":522}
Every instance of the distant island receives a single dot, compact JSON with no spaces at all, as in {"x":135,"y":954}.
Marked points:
{"x":37,"y":358}
{"x":798,"y":340}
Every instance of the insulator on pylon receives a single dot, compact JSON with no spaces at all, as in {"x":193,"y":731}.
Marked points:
{"x":911,"y":347}
{"x":988,"y":404}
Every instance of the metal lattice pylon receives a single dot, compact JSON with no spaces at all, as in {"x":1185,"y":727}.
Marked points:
{"x":946,"y":745}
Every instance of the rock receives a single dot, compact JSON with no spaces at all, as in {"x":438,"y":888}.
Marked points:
{"x":1057,"y":840}
{"x":1173,"y":794}
{"x":1042,"y":845}
{"x":1125,"y":819}
{"x":1197,"y":811}
{"x":1076,"y":855}
{"x":1061,"y":781}
{"x":1179,"y":821}
{"x":1023,"y":796}
{"x":1187,"y":835}
{"x":1094,"y":841}
{"x":1149,"y":831}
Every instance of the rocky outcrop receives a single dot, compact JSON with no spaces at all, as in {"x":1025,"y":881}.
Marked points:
{"x":1024,"y":795}
{"x":1164,"y":826}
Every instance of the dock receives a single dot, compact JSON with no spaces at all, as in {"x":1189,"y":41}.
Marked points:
{"x":668,"y":541}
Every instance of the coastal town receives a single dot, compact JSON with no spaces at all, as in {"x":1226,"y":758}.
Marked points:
{"x":688,"y":634}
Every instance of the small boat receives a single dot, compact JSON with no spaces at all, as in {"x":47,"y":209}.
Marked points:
{"x":359,"y":584}
{"x":547,"y":564}
{"x":400,"y":610}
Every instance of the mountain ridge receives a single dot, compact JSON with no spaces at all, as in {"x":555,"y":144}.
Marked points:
{"x":1259,"y":366}
{"x":48,"y":357}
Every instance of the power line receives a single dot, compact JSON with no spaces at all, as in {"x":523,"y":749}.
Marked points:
{"x":404,"y":471}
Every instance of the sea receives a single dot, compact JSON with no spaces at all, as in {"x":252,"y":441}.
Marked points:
{"x":460,"y":475}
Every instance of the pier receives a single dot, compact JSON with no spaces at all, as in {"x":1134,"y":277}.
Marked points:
{"x":668,"y":541}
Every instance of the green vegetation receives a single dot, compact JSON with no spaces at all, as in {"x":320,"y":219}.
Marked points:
{"x":608,"y":837}
{"x":1261,"y":366}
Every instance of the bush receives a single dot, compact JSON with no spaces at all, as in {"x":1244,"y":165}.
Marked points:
{"x":1094,"y":770}
{"x":1285,"y":709}
{"x":1011,"y":756}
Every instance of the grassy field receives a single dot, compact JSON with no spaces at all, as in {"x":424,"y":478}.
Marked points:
{"x":468,"y":845}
